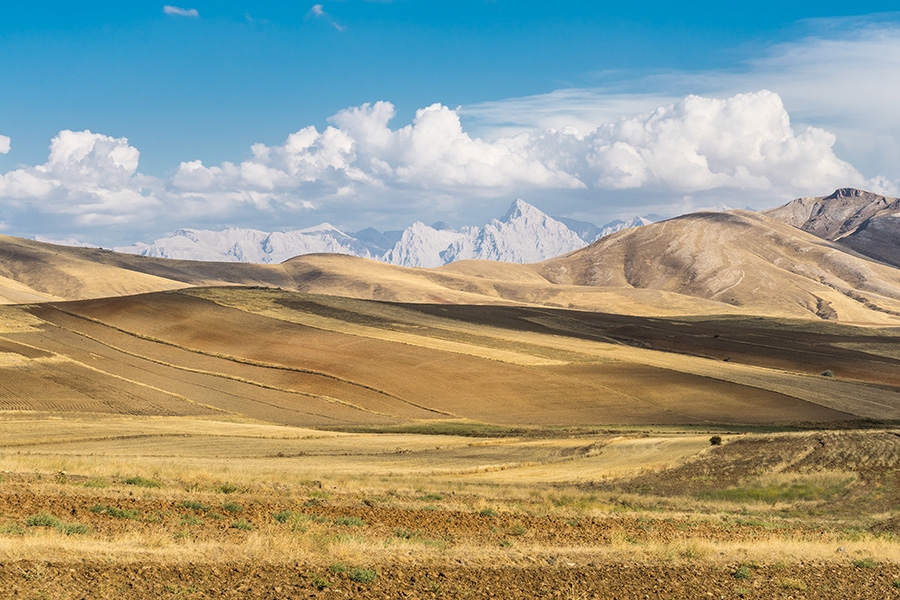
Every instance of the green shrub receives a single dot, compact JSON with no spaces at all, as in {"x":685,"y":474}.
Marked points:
{"x":338,"y":568}
{"x":487,"y":512}
{"x":865,"y":563}
{"x":715,"y":440}
{"x":363,"y":575}
{"x":232,"y":507}
{"x":195,"y":505}
{"x":349,"y":521}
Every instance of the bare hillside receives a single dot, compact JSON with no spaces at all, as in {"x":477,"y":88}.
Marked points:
{"x":743,"y":259}
{"x":865,"y":222}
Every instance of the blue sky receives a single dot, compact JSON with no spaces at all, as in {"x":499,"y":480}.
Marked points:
{"x":121,"y":121}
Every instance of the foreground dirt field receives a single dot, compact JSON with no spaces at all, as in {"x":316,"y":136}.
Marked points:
{"x":149,"y":507}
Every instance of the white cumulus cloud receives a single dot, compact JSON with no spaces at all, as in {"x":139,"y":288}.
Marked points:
{"x":4,"y":144}
{"x":180,"y":12}
{"x":742,"y":146}
{"x":88,"y":175}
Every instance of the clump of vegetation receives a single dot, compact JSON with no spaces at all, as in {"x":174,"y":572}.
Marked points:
{"x":743,"y":572}
{"x":715,"y":440}
{"x":432,"y":497}
{"x":827,"y":373}
{"x":242,"y":525}
{"x":143,"y":482}
{"x":95,"y":483}
{"x":12,"y":529}
{"x":232,"y":507}
{"x":47,"y":520}
{"x":487,"y":512}
{"x":865,"y":563}
{"x":363,"y":575}
{"x":320,"y":583}
{"x":190,"y":520}
{"x":113,"y":511}
{"x":337,"y":568}
{"x":195,"y":505}
{"x":349,"y":521}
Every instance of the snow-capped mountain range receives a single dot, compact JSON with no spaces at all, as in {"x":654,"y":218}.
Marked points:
{"x":524,"y":235}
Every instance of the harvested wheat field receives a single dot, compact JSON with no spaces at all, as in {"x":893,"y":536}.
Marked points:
{"x":262,"y":443}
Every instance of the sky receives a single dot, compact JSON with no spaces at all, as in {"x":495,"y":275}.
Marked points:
{"x":122,"y":121}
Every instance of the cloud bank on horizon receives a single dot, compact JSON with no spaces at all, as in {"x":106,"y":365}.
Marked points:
{"x":744,"y":142}
{"x":580,"y":151}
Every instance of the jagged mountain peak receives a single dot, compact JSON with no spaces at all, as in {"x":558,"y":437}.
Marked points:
{"x":524,"y":234}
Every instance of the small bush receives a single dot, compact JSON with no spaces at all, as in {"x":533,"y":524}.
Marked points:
{"x":338,"y":568}
{"x":232,"y":507}
{"x":142,"y":482}
{"x":349,"y":521}
{"x":715,"y":440}
{"x":242,"y":525}
{"x":363,"y":575}
{"x":195,"y":505}
{"x":827,"y":373}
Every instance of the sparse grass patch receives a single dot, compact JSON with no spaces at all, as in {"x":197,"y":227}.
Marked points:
{"x":487,"y":512}
{"x":338,"y":568}
{"x":143,"y":482}
{"x":232,"y":507}
{"x":113,"y":511}
{"x":242,"y":525}
{"x":95,"y":484}
{"x":195,"y":505}
{"x":815,"y":487}
{"x":229,"y":488}
{"x":432,"y":497}
{"x":319,"y":582}
{"x":349,"y":521}
{"x":12,"y":529}
{"x":190,"y":520}
{"x":363,"y":575}
{"x":865,"y":563}
{"x":743,"y":572}
{"x":790,"y":583}
{"x":47,"y":520}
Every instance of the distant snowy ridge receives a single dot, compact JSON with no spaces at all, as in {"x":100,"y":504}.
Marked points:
{"x":524,"y":235}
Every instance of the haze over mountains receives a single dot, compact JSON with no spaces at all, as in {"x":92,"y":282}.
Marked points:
{"x":523,"y":235}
